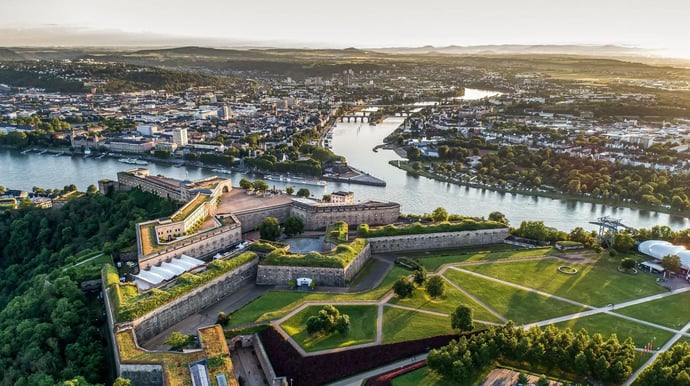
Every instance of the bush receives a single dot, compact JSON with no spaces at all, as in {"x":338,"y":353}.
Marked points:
{"x":417,"y":228}
{"x":408,"y":263}
{"x":342,"y":256}
{"x":628,"y":263}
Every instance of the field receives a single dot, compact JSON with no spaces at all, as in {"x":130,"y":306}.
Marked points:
{"x":451,"y":299}
{"x":422,"y":376}
{"x":401,"y":325}
{"x":665,"y":312}
{"x":362,"y":328}
{"x":607,"y":325}
{"x":595,"y":284}
{"x":515,"y":304}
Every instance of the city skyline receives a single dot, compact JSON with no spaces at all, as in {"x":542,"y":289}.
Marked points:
{"x":657,"y":26}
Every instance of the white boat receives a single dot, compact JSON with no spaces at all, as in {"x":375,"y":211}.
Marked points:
{"x":101,"y":156}
{"x":58,"y":154}
{"x":223,"y":171}
{"x":133,"y":161}
{"x":304,"y":181}
{"x":26,"y":151}
{"x":276,"y":178}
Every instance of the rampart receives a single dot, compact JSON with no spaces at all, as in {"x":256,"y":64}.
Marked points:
{"x":424,"y":241}
{"x":318,"y":216}
{"x":251,"y":218}
{"x":330,"y":277}
{"x":199,"y":245}
{"x":162,"y":318}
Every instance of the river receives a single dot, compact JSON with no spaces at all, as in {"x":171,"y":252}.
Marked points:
{"x":355,"y":141}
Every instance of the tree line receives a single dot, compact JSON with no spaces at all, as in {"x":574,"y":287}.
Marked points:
{"x":551,"y":348}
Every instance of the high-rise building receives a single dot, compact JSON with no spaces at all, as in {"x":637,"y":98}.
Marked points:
{"x":180,"y":137}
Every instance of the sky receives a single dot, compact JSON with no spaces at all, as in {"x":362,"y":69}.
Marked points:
{"x":659,"y":24}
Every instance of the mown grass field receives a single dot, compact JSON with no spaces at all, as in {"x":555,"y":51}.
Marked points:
{"x":608,"y":324}
{"x":594,"y":284}
{"x":362,"y":328}
{"x":451,"y":299}
{"x":514,"y":304}
{"x":670,"y":311}
{"x":400,"y":325}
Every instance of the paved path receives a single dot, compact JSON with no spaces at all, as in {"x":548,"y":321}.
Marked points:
{"x":651,"y":359}
{"x":356,"y":380}
{"x":82,"y":262}
{"x":475,"y":299}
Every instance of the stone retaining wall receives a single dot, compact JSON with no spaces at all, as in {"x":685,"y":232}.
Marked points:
{"x":153,"y":323}
{"x":390,"y":244}
{"x":330,"y":277}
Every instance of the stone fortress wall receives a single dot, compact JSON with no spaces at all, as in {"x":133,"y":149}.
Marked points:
{"x":329,"y":277}
{"x":155,"y":322}
{"x":202,"y":244}
{"x":391,"y":244}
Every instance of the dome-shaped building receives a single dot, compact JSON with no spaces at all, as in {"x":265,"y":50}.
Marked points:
{"x":660,"y":248}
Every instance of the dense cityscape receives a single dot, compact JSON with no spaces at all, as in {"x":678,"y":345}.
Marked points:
{"x":255,"y":273}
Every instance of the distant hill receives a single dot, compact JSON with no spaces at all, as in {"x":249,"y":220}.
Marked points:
{"x":516,"y":49}
{"x":7,"y":54}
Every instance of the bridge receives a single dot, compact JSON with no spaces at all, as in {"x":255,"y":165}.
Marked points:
{"x":608,"y":228}
{"x":364,"y":116}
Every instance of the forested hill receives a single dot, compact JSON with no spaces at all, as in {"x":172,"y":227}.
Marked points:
{"x":49,"y":329}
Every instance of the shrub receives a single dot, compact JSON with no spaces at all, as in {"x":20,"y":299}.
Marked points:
{"x":417,"y":228}
{"x":627,"y":263}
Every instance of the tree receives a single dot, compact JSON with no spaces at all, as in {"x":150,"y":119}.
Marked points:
{"x":290,"y":190}
{"x":260,"y":185}
{"x":92,"y":189}
{"x":498,"y":217}
{"x":419,"y":276}
{"x":303,"y":192}
{"x":435,"y":286}
{"x":439,"y":214}
{"x":627,"y":263}
{"x":461,"y":319}
{"x":326,"y":198}
{"x":623,"y":242}
{"x":413,"y":153}
{"x":543,"y":381}
{"x":245,"y":184}
{"x":403,"y":288}
{"x":293,"y":226}
{"x":222,"y":318}
{"x":122,"y":382}
{"x":671,"y":263}
{"x":178,"y":341}
{"x":269,"y":229}
{"x":535,"y":230}
{"x":328,"y":320}
{"x":522,"y":379}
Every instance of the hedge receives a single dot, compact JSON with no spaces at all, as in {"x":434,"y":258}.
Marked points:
{"x":340,"y":258}
{"x":150,"y":300}
{"x":417,"y":228}
{"x":336,"y":233}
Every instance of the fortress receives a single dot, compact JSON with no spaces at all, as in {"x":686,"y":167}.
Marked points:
{"x":180,"y":251}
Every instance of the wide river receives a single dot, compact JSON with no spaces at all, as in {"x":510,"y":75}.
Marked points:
{"x":355,"y":141}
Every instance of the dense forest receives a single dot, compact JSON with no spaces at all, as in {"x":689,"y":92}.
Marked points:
{"x":49,"y":329}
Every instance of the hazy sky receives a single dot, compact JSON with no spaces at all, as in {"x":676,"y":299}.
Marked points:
{"x":661,"y":24}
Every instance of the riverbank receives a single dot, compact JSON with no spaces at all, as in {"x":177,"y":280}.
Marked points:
{"x":404,"y":165}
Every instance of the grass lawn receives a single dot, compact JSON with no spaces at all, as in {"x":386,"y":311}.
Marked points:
{"x":401,"y":325}
{"x":275,"y":304}
{"x":666,"y":312}
{"x":594,"y":284}
{"x":515,"y":304}
{"x":607,"y":325}
{"x":422,"y":376}
{"x":447,"y":303}
{"x":362,"y":328}
{"x":432,"y":260}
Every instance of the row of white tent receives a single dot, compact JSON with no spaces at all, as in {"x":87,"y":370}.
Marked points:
{"x":659,"y":248}
{"x":156,"y":275}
